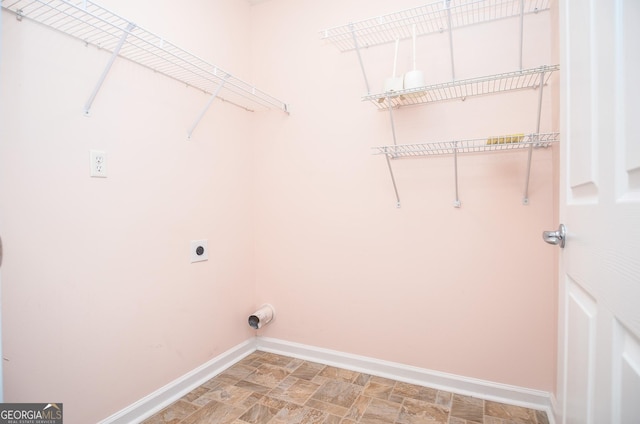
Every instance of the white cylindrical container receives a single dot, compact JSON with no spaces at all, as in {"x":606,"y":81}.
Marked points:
{"x":413,"y":79}
{"x":262,"y":316}
{"x":394,"y":83}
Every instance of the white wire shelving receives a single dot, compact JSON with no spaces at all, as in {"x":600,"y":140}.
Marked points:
{"x":97,"y":26}
{"x":501,"y":143}
{"x":476,"y":145}
{"x":431,"y":18}
{"x":461,"y":89}
{"x":446,"y":16}
{"x":441,"y":16}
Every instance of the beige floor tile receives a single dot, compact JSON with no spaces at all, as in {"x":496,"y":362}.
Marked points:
{"x":542,"y":417}
{"x":380,"y":412}
{"x":195,"y":394}
{"x":419,"y":412}
{"x":251,"y":400}
{"x":267,"y":375}
{"x":298,"y":392}
{"x":362,"y":379}
{"x":330,"y":408}
{"x":232,"y":395}
{"x":358,"y":408}
{"x":338,"y":374}
{"x":517,"y":414}
{"x":287,"y":412}
{"x":412,"y":391}
{"x":173,"y":413}
{"x":468,"y":408}
{"x":444,"y":399}
{"x":236,"y":373}
{"x":265,"y":388}
{"x":259,"y":414}
{"x":279,"y":360}
{"x":307,"y":370}
{"x":256,"y":388}
{"x":338,"y":392}
{"x":332,"y":419}
{"x":214,"y":413}
{"x":312,"y":416}
{"x":383,"y":380}
{"x":377,"y":390}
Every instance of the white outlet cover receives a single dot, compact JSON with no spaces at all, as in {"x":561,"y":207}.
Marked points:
{"x":199,"y":251}
{"x":98,"y":163}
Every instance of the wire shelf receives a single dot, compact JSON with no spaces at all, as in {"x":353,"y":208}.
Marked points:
{"x":98,"y":26}
{"x":429,"y":19}
{"x":477,"y":145}
{"x":509,"y":81}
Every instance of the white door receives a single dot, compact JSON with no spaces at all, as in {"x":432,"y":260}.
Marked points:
{"x":1,"y":357}
{"x":599,"y":287}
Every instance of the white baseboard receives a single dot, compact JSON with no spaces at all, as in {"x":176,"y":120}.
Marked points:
{"x":165,"y":396}
{"x":498,"y":392}
{"x":161,"y":398}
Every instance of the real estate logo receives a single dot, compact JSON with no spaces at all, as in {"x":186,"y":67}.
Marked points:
{"x":30,"y":413}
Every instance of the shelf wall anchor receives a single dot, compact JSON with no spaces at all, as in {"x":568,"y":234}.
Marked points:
{"x":534,"y":141}
{"x":105,"y":72}
{"x":206,"y":107}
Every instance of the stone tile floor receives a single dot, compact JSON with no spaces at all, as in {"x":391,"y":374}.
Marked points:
{"x":267,"y":388}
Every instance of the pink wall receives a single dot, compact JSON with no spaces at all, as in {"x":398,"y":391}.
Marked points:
{"x":467,"y":291}
{"x":100,"y":303}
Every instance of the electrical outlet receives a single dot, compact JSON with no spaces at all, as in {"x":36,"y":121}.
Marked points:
{"x":98,"y":162}
{"x":199,"y":251}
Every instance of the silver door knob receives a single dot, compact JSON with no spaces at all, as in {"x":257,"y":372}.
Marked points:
{"x":556,"y":237}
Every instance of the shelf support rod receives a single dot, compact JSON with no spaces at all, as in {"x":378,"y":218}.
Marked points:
{"x":105,"y":72}
{"x":521,"y":30}
{"x":355,"y":43}
{"x":453,"y":70}
{"x":534,"y":140}
{"x":393,"y":127}
{"x":393,"y":180}
{"x":206,"y":107}
{"x":393,"y":132}
{"x":456,"y":203}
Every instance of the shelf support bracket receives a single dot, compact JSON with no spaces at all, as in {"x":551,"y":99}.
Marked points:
{"x":521,"y":30}
{"x":456,"y":203}
{"x":453,"y":70}
{"x":393,"y":127}
{"x":534,"y":141}
{"x":393,"y":180}
{"x":105,"y":72}
{"x":206,"y":107}
{"x":355,"y":44}
{"x":393,"y":132}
